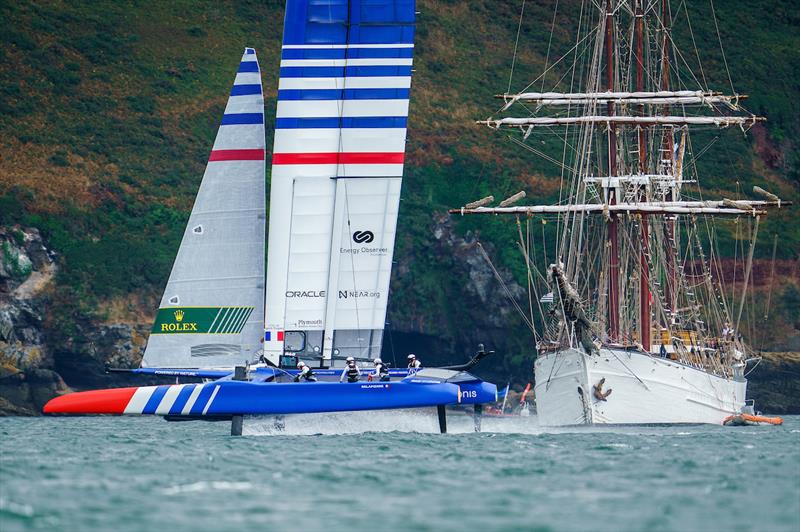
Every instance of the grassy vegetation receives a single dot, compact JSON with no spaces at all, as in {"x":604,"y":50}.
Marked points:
{"x":108,"y":111}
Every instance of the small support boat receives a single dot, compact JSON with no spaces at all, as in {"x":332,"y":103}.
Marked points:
{"x":738,"y":420}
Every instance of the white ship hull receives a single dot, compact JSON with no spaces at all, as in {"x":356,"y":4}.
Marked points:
{"x":646,"y":390}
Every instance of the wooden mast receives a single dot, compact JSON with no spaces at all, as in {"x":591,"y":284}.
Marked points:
{"x":644,"y":268}
{"x":613,"y":276}
{"x":668,"y":148}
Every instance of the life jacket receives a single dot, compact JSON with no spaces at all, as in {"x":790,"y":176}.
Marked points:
{"x":306,"y":374}
{"x":383,"y":372}
{"x":352,"y":373}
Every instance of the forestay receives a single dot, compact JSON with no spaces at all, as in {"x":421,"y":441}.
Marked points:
{"x":212,"y":310}
{"x":336,"y":176}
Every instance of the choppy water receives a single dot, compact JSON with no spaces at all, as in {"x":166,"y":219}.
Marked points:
{"x":145,"y":474}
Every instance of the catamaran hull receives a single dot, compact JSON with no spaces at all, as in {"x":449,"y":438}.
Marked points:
{"x":645,"y":390}
{"x":229,"y":398}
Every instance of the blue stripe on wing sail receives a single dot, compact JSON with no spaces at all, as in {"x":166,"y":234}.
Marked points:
{"x":343,"y":94}
{"x":345,"y":122}
{"x":349,"y":53}
{"x":341,"y":71}
{"x":349,"y":22}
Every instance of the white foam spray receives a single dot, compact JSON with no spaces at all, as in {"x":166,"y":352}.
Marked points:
{"x":417,"y":420}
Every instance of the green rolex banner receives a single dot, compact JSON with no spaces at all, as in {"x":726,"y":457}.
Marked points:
{"x":201,"y":320}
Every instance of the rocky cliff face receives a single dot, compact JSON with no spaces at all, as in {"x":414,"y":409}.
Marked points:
{"x":31,"y":362}
{"x":26,"y":269}
{"x":775,"y":383}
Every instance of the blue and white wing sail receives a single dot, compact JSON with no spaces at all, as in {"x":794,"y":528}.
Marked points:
{"x":336,"y":175}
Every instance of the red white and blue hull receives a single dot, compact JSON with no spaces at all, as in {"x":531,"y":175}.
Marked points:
{"x":227,"y":398}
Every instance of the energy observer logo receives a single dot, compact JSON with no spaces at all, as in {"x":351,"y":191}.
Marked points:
{"x":363,"y":237}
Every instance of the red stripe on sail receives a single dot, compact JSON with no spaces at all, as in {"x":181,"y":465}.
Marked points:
{"x":237,"y":155}
{"x":111,"y":401}
{"x":339,"y":158}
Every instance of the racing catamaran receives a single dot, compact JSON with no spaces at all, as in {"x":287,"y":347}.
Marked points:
{"x":337,"y":169}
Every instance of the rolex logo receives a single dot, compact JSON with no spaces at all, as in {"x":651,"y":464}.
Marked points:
{"x":179,"y":316}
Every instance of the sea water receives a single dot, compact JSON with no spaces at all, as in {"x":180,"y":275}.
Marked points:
{"x":393,"y":471}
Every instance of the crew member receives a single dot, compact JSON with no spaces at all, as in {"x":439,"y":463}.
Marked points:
{"x":413,"y":364}
{"x":305,"y":373}
{"x":727,"y":331}
{"x":350,"y":371}
{"x":381,"y":372}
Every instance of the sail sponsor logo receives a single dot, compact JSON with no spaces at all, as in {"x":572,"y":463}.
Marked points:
{"x":309,"y":323}
{"x":305,"y":293}
{"x":362,"y":294}
{"x":363,"y":237}
{"x":373,"y":252}
{"x":178,"y":327}
{"x":201,"y":320}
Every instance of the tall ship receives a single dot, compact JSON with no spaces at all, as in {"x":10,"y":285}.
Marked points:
{"x":634,"y":324}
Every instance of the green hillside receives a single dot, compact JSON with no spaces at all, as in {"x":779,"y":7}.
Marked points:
{"x":108,"y":111}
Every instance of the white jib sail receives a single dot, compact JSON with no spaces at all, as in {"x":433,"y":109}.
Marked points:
{"x":212,"y":311}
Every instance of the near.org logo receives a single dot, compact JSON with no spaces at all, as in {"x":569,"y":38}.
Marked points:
{"x":363,"y":237}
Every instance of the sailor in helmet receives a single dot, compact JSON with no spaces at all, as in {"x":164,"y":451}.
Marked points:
{"x":350,"y":371}
{"x":305,"y":373}
{"x":413,"y":364}
{"x":381,"y":372}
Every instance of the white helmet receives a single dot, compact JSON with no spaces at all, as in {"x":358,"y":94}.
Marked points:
{"x":412,"y":356}
{"x":377,"y":361}
{"x":301,"y":364}
{"x":350,"y":359}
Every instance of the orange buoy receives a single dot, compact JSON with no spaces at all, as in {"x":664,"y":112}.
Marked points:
{"x":749,"y":419}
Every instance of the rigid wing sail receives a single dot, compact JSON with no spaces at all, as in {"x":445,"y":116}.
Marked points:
{"x":337,"y":168}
